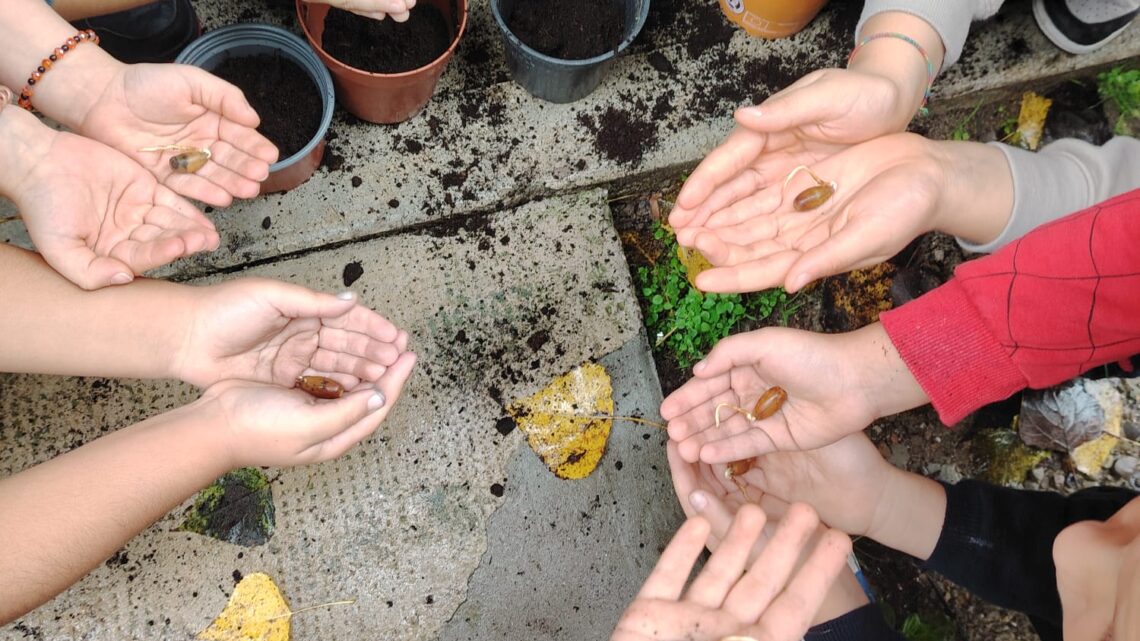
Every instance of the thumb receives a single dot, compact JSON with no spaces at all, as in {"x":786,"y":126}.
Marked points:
{"x":328,"y":419}
{"x":849,"y":248}
{"x":804,"y":102}
{"x":81,"y":266}
{"x":388,"y":390}
{"x":219,"y":96}
{"x":295,"y":301}
{"x":738,"y":350}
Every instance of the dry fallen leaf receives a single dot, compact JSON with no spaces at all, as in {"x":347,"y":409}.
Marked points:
{"x":1031,"y":120}
{"x":694,"y":263}
{"x":568,"y":422}
{"x":256,"y":612}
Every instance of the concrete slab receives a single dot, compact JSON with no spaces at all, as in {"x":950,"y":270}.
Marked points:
{"x":483,"y":142}
{"x":496,"y":307}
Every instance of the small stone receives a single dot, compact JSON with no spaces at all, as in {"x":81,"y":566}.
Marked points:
{"x":1031,"y":485}
{"x":900,"y":456}
{"x":1125,"y":466}
{"x":1038,"y":474}
{"x":949,"y":474}
{"x":1059,"y":480}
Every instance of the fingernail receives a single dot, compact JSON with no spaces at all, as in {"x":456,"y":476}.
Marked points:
{"x":799,"y":282}
{"x":699,"y":501}
{"x":345,"y":295}
{"x":700,"y":366}
{"x":376,"y":402}
{"x":752,"y":111}
{"x":121,"y":278}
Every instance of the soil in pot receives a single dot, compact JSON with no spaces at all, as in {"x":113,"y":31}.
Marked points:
{"x":386,"y":46}
{"x":568,"y":29}
{"x":283,"y":95}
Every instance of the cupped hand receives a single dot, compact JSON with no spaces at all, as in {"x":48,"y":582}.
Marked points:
{"x":100,"y":219}
{"x":272,"y":332}
{"x":769,"y":598}
{"x":267,"y":425}
{"x":887,"y":192}
{"x":828,"y":394}
{"x":398,"y":10}
{"x":150,"y":105}
{"x":815,"y":117}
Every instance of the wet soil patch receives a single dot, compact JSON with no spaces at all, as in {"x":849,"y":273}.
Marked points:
{"x":567,"y":29}
{"x":387,"y":46}
{"x":620,"y":135}
{"x":282,"y":93}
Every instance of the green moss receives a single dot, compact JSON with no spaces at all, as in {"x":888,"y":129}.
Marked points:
{"x":1005,"y":458}
{"x":237,"y":508}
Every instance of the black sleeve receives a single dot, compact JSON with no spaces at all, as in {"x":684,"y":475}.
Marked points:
{"x":997,"y":542}
{"x":862,"y":624}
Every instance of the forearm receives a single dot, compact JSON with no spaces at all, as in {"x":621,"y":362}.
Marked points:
{"x":79,"y":9}
{"x":910,"y":514}
{"x":880,"y":371}
{"x":899,"y":61}
{"x":50,"y":326}
{"x":62,"y":518}
{"x":66,"y":92}
{"x":1063,"y":177}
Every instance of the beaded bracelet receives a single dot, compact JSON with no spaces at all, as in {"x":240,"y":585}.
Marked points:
{"x":87,"y":35}
{"x":914,"y":43}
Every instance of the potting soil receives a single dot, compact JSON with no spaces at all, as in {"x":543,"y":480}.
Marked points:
{"x":387,"y":46}
{"x":282,"y":93}
{"x":568,"y":29}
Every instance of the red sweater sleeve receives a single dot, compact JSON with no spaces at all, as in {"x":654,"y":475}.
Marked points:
{"x":1045,"y":308}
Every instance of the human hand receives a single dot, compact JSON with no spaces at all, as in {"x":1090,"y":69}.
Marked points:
{"x":888,"y":191}
{"x":375,"y":9}
{"x":263,"y":425}
{"x":148,"y":105}
{"x":768,"y":599}
{"x":817,"y":116}
{"x":272,"y":332}
{"x":96,"y":216}
{"x":836,"y":385}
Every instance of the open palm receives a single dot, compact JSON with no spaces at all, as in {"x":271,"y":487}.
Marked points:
{"x":99,"y":218}
{"x":826,"y":398}
{"x":887,"y":193}
{"x":149,"y":105}
{"x":270,"y":331}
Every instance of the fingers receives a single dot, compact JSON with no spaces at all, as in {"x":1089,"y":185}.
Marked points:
{"x":219,"y":96}
{"x":720,"y":166}
{"x":693,"y":394}
{"x":388,"y":389}
{"x":773,"y":567}
{"x":790,"y":615}
{"x":727,"y":563}
{"x":799,"y":104}
{"x":755,"y":441}
{"x":667,"y":580}
{"x":751,"y":275}
{"x":749,"y":349}
{"x":81,"y":266}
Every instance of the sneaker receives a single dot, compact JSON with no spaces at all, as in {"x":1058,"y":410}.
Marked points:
{"x":154,"y":32}
{"x":1081,"y":26}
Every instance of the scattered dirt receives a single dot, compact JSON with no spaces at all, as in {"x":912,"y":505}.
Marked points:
{"x":283,"y":95}
{"x":567,"y":29}
{"x":387,"y":46}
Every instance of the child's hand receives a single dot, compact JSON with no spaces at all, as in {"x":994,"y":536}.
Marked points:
{"x":768,"y":599}
{"x":270,"y":331}
{"x":828,"y":396}
{"x":398,"y":10}
{"x":265,"y":425}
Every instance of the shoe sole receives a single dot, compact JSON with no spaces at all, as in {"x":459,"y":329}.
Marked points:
{"x":1045,"y":23}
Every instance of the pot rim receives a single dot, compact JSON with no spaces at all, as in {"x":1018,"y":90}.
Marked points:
{"x":639,"y":23}
{"x":219,"y":41}
{"x":441,"y":59}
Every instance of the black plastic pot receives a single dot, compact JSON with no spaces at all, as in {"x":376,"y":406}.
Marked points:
{"x":555,"y":79}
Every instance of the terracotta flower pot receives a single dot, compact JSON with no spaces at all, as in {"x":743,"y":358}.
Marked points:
{"x":240,"y":40}
{"x":384,"y":97}
{"x":771,"y":18}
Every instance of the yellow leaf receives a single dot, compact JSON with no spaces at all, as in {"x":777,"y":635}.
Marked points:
{"x":568,"y":423}
{"x":694,"y":263}
{"x":1031,"y":120}
{"x":256,"y":612}
{"x":1090,"y":457}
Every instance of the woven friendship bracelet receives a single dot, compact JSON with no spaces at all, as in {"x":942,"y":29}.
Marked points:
{"x":53,"y":58}
{"x":912,"y":42}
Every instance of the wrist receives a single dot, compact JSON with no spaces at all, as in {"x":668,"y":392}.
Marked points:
{"x":76,"y":84}
{"x":26,"y":143}
{"x":887,"y":386}
{"x":209,"y":427}
{"x":910,"y":514}
{"x":977,"y":193}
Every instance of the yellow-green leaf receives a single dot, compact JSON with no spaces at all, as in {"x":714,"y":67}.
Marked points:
{"x":568,"y":422}
{"x":1031,"y":120}
{"x":694,"y":263}
{"x":257,"y":611}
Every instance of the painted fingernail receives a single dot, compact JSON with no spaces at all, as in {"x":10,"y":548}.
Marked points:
{"x":345,"y":295}
{"x":121,"y":278}
{"x":699,"y":501}
{"x":376,"y":402}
